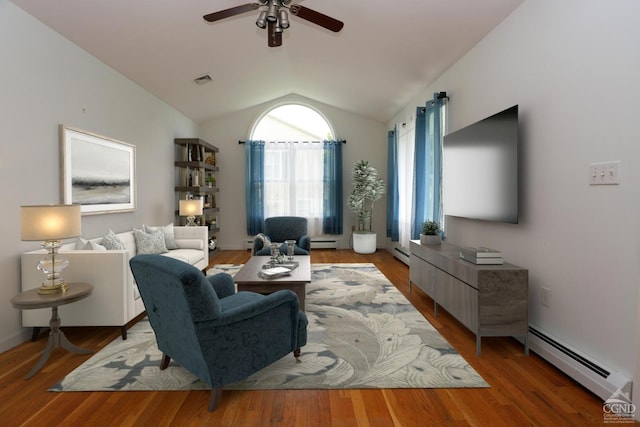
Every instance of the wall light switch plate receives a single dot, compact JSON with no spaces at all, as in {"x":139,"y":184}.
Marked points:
{"x":605,"y":173}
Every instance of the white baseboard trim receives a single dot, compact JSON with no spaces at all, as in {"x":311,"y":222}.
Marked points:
{"x":15,"y":340}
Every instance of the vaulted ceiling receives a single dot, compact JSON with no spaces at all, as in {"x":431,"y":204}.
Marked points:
{"x":386,"y":52}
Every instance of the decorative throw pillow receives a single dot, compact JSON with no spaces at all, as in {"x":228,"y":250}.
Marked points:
{"x":149,"y":243}
{"x":167,"y":230}
{"x":82,"y":244}
{"x":112,"y":242}
{"x":96,"y":246}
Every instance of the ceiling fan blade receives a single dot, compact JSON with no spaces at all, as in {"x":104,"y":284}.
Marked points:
{"x":274,"y":38}
{"x":232,"y":11}
{"x":317,"y":18}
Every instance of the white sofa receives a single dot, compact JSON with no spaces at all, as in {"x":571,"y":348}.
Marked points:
{"x":115,"y":299}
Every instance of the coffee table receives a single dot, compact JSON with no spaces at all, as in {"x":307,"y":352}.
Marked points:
{"x":247,"y":278}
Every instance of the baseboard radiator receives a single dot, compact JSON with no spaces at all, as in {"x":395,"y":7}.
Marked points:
{"x":401,"y":253}
{"x":324,"y":243}
{"x":320,"y":243}
{"x":594,"y":376}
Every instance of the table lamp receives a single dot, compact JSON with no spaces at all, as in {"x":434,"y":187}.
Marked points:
{"x":50,"y":224}
{"x":190,"y":208}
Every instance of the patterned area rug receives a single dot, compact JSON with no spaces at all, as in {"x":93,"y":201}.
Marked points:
{"x":363,"y":333}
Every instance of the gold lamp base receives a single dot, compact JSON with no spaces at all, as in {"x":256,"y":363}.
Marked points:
{"x":47,"y":289}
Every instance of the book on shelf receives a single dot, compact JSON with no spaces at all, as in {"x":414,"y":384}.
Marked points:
{"x":481,"y":260}
{"x":481,"y":252}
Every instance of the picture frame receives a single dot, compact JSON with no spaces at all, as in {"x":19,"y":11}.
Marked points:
{"x":98,"y":172}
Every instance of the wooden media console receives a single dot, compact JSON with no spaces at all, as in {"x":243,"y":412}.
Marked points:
{"x":490,"y":300}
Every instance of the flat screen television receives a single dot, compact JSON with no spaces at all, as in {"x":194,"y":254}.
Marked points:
{"x":480,"y":169}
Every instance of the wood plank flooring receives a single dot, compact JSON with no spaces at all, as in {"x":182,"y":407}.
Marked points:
{"x":524,"y":390}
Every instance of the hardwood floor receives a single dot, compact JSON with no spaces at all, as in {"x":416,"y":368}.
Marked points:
{"x":524,"y":390}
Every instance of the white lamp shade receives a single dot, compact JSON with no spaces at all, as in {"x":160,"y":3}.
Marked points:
{"x":192,"y":207}
{"x":50,"y":222}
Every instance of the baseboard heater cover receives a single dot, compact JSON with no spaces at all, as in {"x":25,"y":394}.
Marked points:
{"x":594,"y":376}
{"x":315,"y":244}
{"x":402,"y":254}
{"x":324,"y":244}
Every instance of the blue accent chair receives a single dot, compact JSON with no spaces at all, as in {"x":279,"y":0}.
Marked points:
{"x":281,"y":228}
{"x":205,"y":326}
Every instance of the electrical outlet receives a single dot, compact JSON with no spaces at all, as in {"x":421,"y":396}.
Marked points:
{"x":546,"y":297}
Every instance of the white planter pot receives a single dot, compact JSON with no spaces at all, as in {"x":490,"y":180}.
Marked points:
{"x":429,"y":239}
{"x":364,"y":243}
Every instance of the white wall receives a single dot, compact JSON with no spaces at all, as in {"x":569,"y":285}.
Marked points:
{"x":45,"y":81}
{"x":572,"y":66}
{"x":366,"y":139}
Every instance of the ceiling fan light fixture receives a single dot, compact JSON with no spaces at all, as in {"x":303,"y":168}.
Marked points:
{"x":261,"y":21}
{"x":274,"y":16}
{"x":284,"y":18}
{"x":272,"y":11}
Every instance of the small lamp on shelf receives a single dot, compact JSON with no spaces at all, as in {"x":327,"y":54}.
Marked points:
{"x":191,"y":208}
{"x":50,"y":224}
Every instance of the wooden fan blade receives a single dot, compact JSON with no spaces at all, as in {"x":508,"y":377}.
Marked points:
{"x":274,"y":38}
{"x":232,"y":11}
{"x":317,"y":18}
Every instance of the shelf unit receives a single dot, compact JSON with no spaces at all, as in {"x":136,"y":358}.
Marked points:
{"x":195,"y":176}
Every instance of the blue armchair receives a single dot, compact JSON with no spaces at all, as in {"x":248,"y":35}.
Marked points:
{"x":217,"y":334}
{"x":281,"y":228}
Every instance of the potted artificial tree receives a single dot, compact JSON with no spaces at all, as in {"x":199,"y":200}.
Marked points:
{"x":430,"y":234}
{"x":367,"y":188}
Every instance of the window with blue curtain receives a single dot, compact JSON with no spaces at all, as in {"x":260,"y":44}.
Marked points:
{"x":427,"y":189}
{"x":332,"y":216}
{"x":254,"y":185}
{"x":278,"y":182}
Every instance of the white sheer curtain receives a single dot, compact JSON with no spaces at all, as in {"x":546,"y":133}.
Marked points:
{"x":406,"y":144}
{"x":293,"y":182}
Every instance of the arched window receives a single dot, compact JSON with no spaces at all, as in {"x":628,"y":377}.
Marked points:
{"x":292,"y":122}
{"x":293,"y":162}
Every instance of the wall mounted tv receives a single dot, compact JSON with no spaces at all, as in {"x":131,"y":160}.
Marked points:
{"x":480,"y":169}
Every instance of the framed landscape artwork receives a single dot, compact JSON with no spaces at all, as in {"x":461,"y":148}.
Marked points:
{"x":98,"y":173}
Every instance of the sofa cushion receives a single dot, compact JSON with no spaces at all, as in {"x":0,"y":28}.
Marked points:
{"x":190,"y":244}
{"x":112,"y":242}
{"x":149,"y":243}
{"x":167,"y":230}
{"x":190,"y":256}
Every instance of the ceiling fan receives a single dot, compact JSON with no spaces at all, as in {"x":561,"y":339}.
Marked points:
{"x":275,"y":18}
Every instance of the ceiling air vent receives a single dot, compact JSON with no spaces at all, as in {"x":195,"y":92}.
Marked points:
{"x":203,"y":80}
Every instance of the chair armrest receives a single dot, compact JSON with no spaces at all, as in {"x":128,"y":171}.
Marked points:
{"x":254,"y":305}
{"x":257,"y":245}
{"x":305,"y":243}
{"x":260,"y":241}
{"x":222,"y":284}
